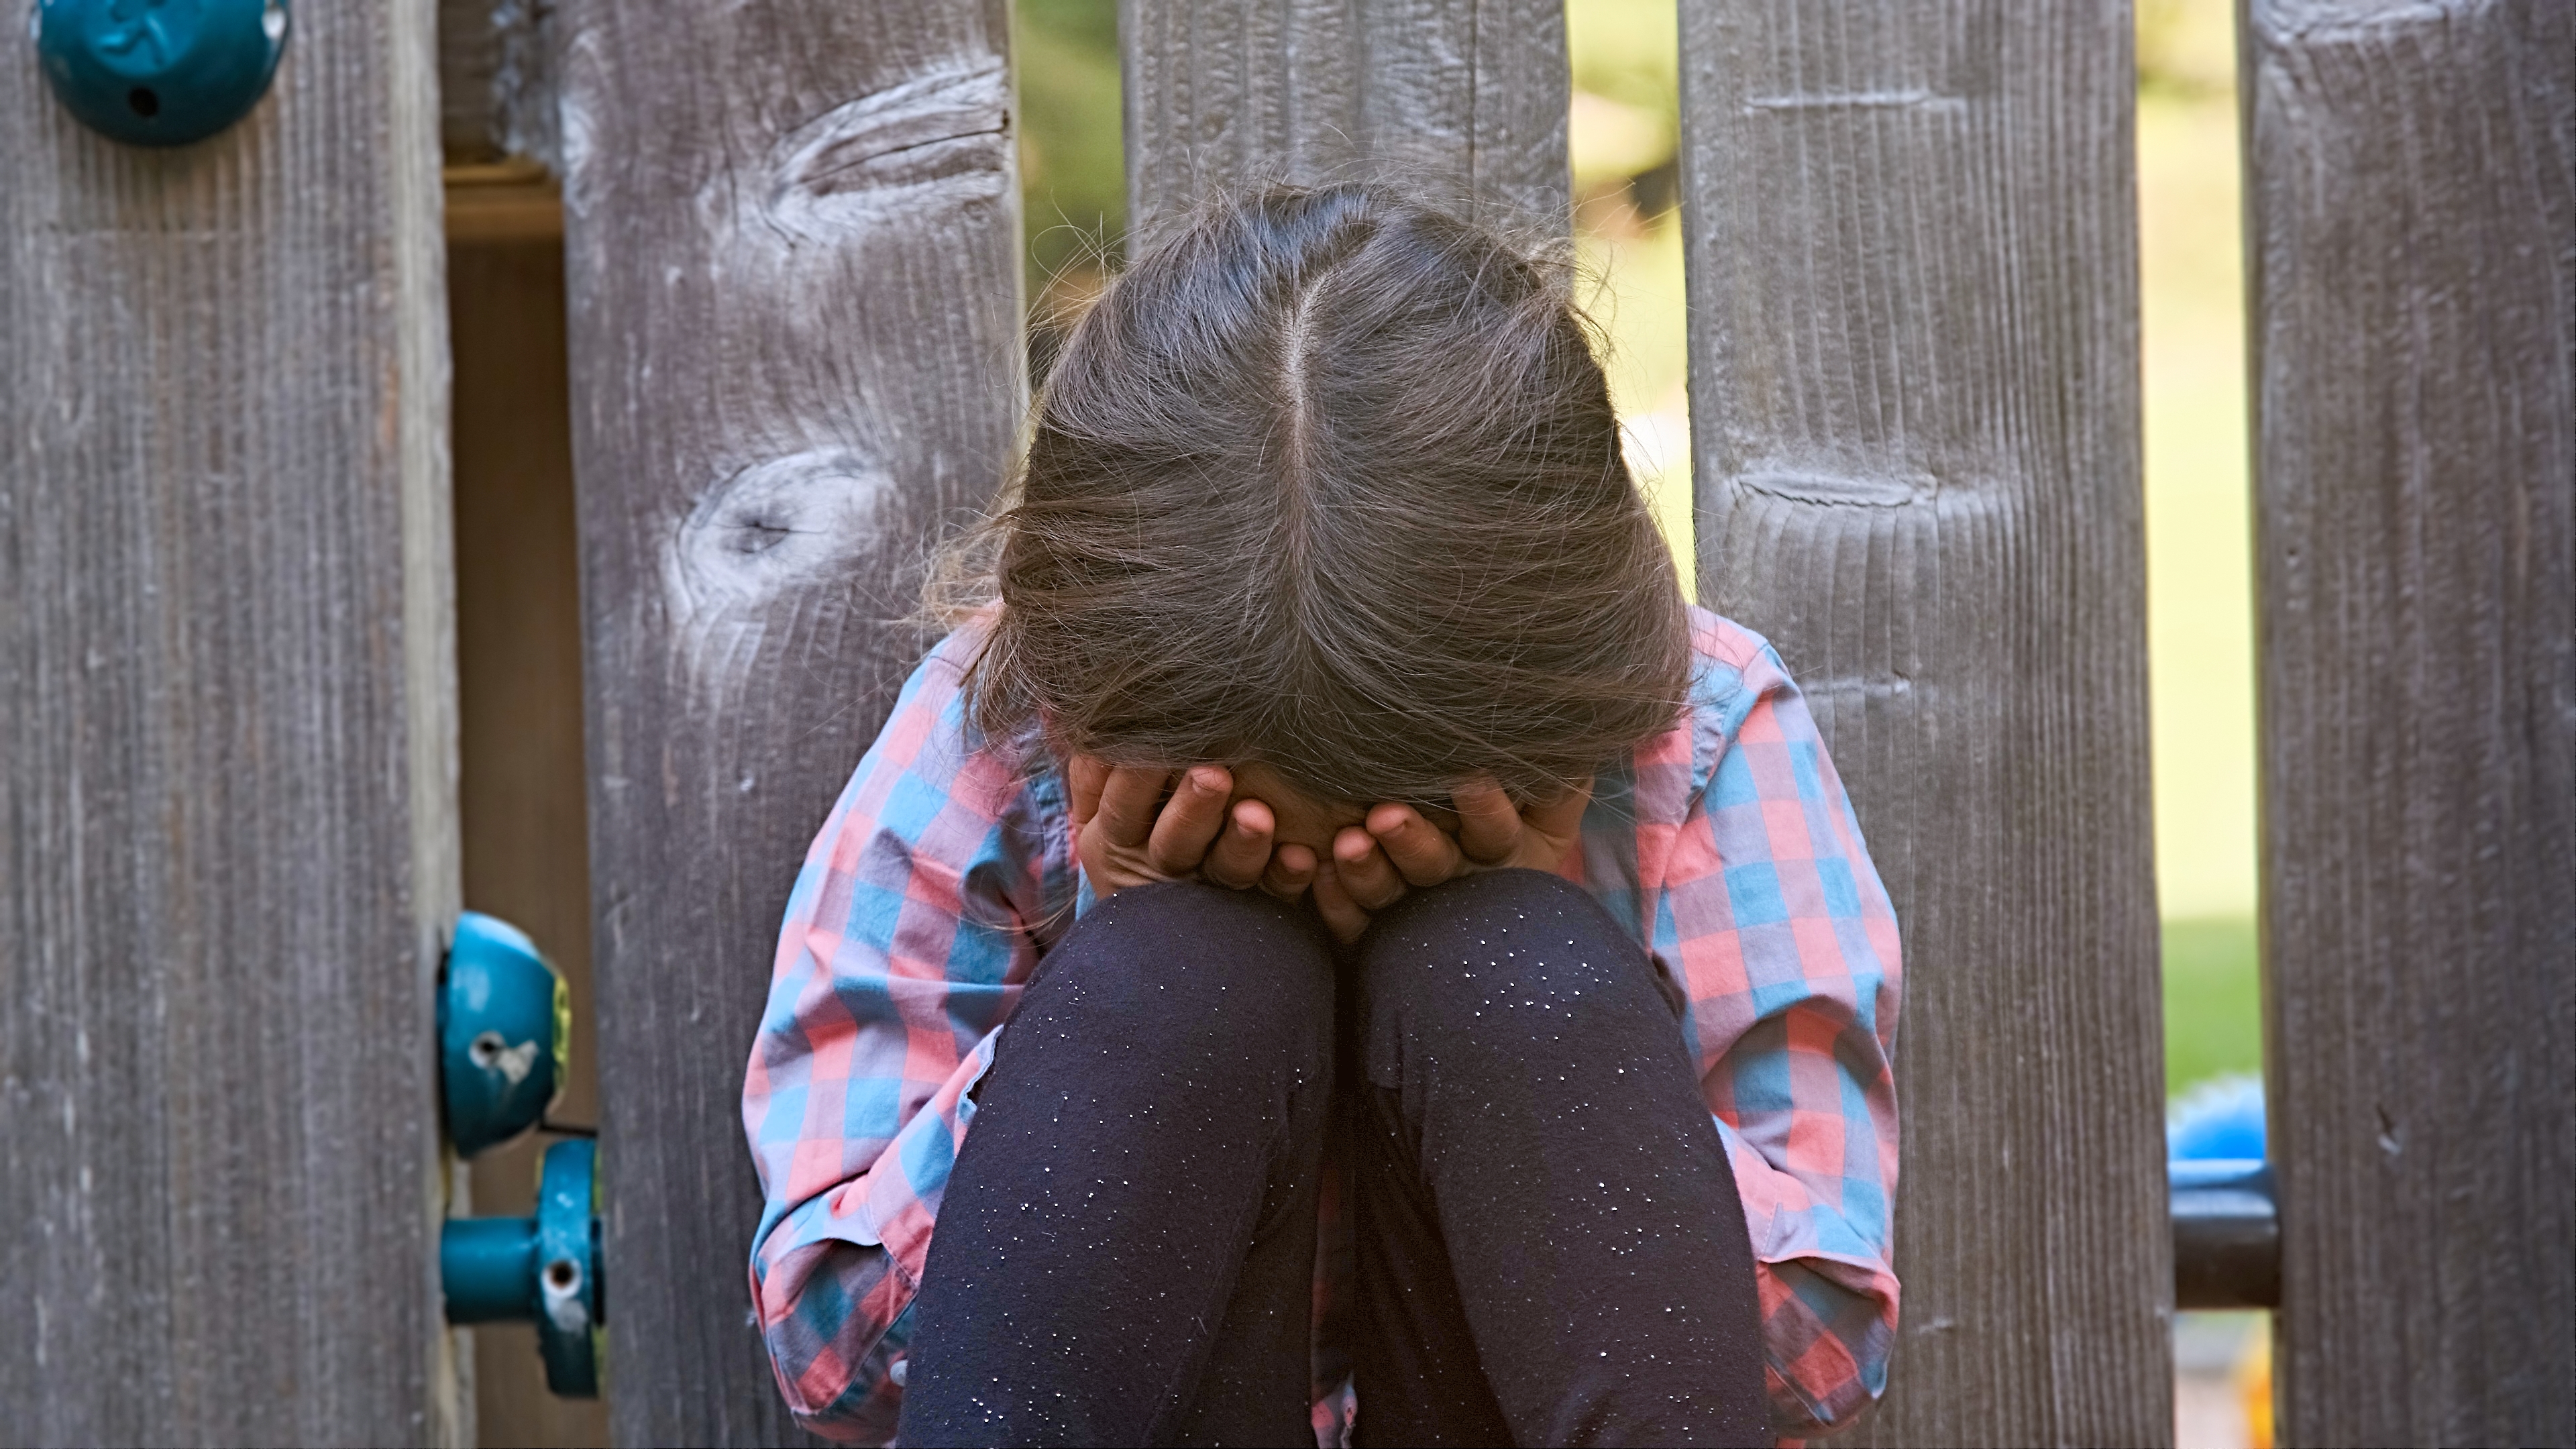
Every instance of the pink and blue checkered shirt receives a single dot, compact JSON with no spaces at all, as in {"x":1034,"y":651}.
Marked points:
{"x":943,"y":873}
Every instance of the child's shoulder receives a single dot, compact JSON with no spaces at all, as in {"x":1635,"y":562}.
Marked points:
{"x":936,"y":695}
{"x":1733,"y":669}
{"x":955,"y":652}
{"x":1729,"y":657}
{"x":936,"y":685}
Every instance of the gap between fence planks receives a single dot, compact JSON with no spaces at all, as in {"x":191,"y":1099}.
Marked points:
{"x":2410,"y":236}
{"x":1914,"y":406}
{"x":227,"y":790}
{"x":520,"y":788}
{"x":792,"y":256}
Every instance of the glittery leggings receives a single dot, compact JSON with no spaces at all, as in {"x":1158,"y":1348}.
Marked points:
{"x":1544,"y":1242}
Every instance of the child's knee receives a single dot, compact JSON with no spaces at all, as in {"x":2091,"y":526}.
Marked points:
{"x":1500,"y":960}
{"x":1185,"y":966}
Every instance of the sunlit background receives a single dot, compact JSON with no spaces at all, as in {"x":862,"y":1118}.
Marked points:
{"x":2200,"y":615}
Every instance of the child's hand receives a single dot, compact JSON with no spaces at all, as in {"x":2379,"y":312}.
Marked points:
{"x":1397,"y":850}
{"x":1127,"y":834}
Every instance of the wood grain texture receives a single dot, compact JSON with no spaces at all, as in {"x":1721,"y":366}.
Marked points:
{"x":1914,"y":403}
{"x":792,"y":248}
{"x":496,"y":80}
{"x":2412,"y":243}
{"x":518,"y":663}
{"x":1462,"y":99}
{"x":227,"y":788}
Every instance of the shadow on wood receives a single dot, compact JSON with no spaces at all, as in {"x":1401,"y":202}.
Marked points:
{"x":518,"y":611}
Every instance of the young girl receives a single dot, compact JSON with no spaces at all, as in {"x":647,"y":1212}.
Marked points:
{"x":1443,"y":973}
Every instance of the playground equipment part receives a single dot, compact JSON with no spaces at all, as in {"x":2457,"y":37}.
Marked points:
{"x":159,"y":72}
{"x":504,"y":1040}
{"x":2226,"y":1225}
{"x":542,"y":1269}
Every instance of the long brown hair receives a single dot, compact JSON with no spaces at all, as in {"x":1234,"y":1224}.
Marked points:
{"x":1329,"y":479}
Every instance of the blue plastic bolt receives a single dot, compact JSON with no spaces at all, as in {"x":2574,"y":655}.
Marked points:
{"x":159,"y":72}
{"x":504,"y":1033}
{"x":543,"y":1269}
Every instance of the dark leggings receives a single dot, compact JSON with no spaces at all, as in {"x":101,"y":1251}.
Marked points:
{"x":1550,"y":1249}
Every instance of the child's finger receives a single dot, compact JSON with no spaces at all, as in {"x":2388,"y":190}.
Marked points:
{"x":1363,"y":871}
{"x":1086,"y":774}
{"x":1127,"y":801}
{"x":1488,"y":825}
{"x":1416,"y":847}
{"x":1342,"y":915}
{"x":1237,"y":858}
{"x":1189,"y":820}
{"x":1290,"y":872}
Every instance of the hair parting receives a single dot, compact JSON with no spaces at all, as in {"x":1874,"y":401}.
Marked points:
{"x":1326,"y":479}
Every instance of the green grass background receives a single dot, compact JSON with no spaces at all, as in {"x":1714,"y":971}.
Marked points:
{"x":2200,"y":620}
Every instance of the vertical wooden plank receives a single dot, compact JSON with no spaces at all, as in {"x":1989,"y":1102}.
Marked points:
{"x":1463,"y":98}
{"x":227,"y":789}
{"x":1914,"y":402}
{"x":792,"y":248}
{"x":2412,"y":248}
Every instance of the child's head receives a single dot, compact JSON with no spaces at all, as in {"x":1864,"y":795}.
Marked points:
{"x":1329,"y":481}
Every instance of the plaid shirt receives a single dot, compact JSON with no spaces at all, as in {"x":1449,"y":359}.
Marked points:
{"x":943,"y":873}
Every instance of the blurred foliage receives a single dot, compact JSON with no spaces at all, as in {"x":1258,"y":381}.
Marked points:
{"x":2186,"y":47}
{"x":1628,"y":51}
{"x":1073,"y":171}
{"x":1072,"y":174}
{"x":2200,"y":576}
{"x":2213,"y":1000}
{"x":1627,"y":94}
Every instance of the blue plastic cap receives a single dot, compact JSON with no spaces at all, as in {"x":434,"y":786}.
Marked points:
{"x":159,"y":72}
{"x":2220,"y":1119}
{"x":570,"y":1307}
{"x":504,"y":1033}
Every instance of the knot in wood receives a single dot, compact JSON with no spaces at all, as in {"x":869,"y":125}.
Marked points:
{"x":939,"y":138}
{"x":787,"y":525}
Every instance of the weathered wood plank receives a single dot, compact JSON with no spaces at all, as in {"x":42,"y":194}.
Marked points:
{"x":1914,"y":404}
{"x":496,"y":81}
{"x":1463,"y":98}
{"x":792,"y":247}
{"x":227,"y":789}
{"x":2412,"y":243}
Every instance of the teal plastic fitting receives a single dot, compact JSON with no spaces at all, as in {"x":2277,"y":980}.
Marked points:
{"x":159,"y":72}
{"x":543,"y":1270}
{"x":504,"y":1033}
{"x":570,"y":1307}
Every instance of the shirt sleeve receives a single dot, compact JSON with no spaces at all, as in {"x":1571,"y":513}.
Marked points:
{"x":1785,"y":944}
{"x":907,"y":939}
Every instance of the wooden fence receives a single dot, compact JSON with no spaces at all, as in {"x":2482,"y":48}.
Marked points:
{"x":792,"y":309}
{"x":228,"y":849}
{"x":2411,"y":230}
